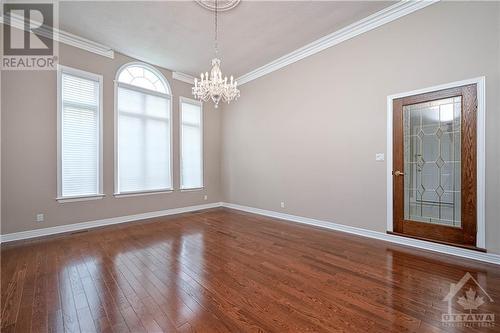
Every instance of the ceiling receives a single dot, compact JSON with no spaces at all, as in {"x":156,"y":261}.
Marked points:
{"x":178,"y":35}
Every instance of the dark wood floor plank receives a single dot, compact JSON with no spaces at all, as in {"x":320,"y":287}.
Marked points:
{"x":226,"y":271}
{"x":111,"y":309}
{"x":68,"y":307}
{"x":55,"y":321}
{"x":23,"y":322}
{"x":93,"y":302}
{"x":9,"y":267}
{"x":39,"y":319}
{"x":11,"y":302}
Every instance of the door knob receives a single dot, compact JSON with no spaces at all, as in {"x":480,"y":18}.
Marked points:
{"x":398,"y":173}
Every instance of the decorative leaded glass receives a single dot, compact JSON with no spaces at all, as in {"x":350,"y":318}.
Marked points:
{"x":432,"y":161}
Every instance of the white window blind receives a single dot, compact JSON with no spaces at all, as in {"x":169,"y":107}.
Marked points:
{"x":79,"y":133}
{"x":191,"y":144}
{"x":144,"y":140}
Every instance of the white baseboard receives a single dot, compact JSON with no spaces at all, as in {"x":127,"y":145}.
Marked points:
{"x":100,"y":223}
{"x":440,"y":248}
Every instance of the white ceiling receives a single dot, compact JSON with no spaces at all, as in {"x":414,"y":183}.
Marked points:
{"x":178,"y":35}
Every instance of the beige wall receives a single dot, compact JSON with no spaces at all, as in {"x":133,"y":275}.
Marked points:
{"x":307,"y":134}
{"x":29,"y":150}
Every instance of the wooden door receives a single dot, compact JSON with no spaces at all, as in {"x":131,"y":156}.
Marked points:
{"x":434,"y":166}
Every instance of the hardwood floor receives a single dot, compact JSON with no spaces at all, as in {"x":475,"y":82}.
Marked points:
{"x":225,"y":271}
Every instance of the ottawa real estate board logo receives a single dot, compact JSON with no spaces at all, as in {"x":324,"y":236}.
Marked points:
{"x":29,"y":31}
{"x":467,"y":304}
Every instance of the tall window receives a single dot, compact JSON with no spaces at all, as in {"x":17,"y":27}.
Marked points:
{"x":143,"y":137}
{"x":79,"y":134}
{"x":191,"y":144}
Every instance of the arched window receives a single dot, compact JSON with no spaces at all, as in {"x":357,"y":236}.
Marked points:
{"x":143,"y":76}
{"x":143,"y":130}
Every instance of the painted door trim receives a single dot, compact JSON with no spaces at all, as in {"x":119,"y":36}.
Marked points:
{"x":481,"y":150}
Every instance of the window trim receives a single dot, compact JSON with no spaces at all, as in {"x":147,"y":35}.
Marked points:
{"x":117,"y":84}
{"x":149,"y":67}
{"x":141,"y":193}
{"x":91,"y":76}
{"x":186,"y":100}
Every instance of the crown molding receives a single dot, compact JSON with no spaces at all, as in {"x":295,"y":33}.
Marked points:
{"x":63,"y":37}
{"x":369,"y":23}
{"x":183,"y":77}
{"x":84,"y":44}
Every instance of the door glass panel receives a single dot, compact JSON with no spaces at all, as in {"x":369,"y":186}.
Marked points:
{"x":432,"y":158}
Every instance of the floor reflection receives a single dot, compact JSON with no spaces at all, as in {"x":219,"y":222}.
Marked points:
{"x":223,"y":271}
{"x":440,"y":288}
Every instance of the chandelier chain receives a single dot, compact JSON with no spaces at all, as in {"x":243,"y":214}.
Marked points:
{"x":216,"y":28}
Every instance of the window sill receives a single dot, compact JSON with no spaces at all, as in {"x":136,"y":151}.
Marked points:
{"x":80,"y":198}
{"x":192,"y":189}
{"x":138,"y":194}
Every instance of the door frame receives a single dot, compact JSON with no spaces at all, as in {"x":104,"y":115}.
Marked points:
{"x":481,"y":152}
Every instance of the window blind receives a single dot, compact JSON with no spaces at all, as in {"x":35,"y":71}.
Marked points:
{"x":144,"y":140}
{"x":79,"y":135}
{"x":191,"y":145}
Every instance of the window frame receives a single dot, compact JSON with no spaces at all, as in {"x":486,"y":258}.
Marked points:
{"x":117,"y":84}
{"x":186,"y":100}
{"x":94,"y":77}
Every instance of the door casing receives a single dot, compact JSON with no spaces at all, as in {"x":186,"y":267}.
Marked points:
{"x":480,"y":167}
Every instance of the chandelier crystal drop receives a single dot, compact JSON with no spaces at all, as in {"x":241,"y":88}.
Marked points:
{"x":213,"y":86}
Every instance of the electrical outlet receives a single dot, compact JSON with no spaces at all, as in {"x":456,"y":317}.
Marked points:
{"x":40,"y":217}
{"x":205,"y":197}
{"x":282,"y":204}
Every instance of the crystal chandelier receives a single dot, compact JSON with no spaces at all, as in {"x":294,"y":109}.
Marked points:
{"x":215,"y":87}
